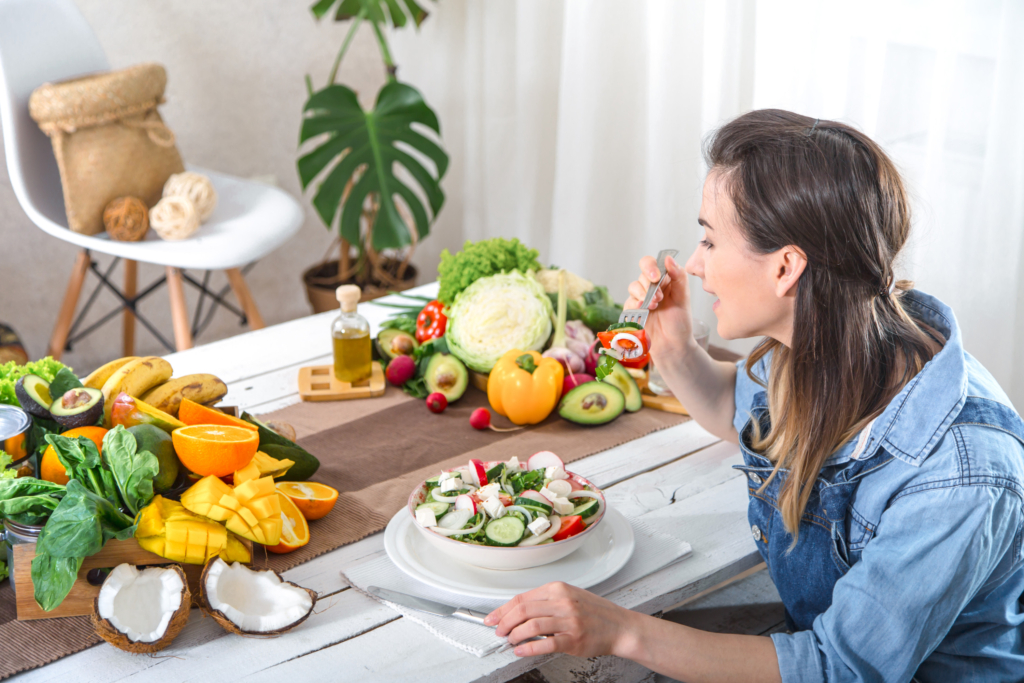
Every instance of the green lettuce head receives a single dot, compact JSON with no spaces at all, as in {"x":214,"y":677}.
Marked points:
{"x":496,"y":314}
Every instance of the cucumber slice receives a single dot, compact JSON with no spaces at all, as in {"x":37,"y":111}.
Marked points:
{"x":437,"y":507}
{"x":495,"y":472}
{"x":533,"y":505}
{"x":587,"y":508}
{"x":505,"y":531}
{"x":434,"y":481}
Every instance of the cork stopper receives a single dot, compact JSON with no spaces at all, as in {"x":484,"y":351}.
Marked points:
{"x":348,"y":295}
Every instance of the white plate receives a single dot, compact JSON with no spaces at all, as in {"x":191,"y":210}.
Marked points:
{"x":605,"y":552}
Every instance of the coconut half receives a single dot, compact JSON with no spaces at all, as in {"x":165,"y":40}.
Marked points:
{"x":142,"y":610}
{"x":253,"y":602}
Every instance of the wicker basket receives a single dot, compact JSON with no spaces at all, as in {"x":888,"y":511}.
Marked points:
{"x":108,"y":138}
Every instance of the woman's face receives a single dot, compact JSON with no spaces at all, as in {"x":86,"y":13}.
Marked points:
{"x":745,"y":282}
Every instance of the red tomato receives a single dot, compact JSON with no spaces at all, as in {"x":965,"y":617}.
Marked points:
{"x":571,"y":525}
{"x":639,"y":362}
{"x":505,"y":499}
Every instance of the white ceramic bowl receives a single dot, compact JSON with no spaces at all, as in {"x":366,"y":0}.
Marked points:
{"x":493,"y":557}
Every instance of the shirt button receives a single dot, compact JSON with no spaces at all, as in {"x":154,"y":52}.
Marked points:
{"x":755,"y":532}
{"x":754,"y":479}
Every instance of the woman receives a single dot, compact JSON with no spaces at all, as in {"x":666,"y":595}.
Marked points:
{"x":884,"y":465}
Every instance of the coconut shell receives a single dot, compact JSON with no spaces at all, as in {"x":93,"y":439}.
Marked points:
{"x":232,"y":627}
{"x":106,"y":631}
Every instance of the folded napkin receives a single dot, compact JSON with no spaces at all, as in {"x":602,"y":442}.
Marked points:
{"x":654,"y":550}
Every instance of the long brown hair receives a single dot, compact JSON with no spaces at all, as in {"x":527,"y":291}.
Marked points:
{"x":828,"y":189}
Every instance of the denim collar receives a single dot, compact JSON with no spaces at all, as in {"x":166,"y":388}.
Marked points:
{"x":918,"y":417}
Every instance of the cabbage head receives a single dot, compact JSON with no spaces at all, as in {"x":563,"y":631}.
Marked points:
{"x":495,"y":314}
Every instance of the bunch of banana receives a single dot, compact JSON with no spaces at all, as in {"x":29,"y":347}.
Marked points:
{"x":149,"y":380}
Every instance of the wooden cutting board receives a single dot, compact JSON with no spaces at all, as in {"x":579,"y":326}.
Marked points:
{"x":318,"y":383}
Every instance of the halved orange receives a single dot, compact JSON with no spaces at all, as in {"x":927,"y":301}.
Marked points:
{"x":192,"y":413}
{"x":50,"y":468}
{"x":294,"y":529}
{"x":314,"y":500}
{"x":214,"y":449}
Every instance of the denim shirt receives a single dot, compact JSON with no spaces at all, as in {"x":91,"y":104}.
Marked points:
{"x":923,"y":574}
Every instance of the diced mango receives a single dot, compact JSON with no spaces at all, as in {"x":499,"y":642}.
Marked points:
{"x":173,"y":550}
{"x":242,"y":509}
{"x":270,"y":467}
{"x":235,"y":551}
{"x":247,"y":473}
{"x":170,"y":530}
{"x":177,"y":533}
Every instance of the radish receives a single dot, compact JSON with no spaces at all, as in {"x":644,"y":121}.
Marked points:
{"x":481,"y":472}
{"x":576,"y":486}
{"x":466,"y":502}
{"x":533,"y":495}
{"x":469,"y":475}
{"x":572,"y":381}
{"x":543,"y":460}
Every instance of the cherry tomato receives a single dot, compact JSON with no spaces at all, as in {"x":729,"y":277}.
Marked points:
{"x":627,"y":344}
{"x":431,"y":322}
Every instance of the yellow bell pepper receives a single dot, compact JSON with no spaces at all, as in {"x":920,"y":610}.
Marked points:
{"x":524,"y":386}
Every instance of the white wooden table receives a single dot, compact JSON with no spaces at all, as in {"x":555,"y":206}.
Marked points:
{"x":683,"y":472}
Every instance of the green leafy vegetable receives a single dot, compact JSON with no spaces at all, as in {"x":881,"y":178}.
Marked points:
{"x":35,"y":440}
{"x":480,"y":259}
{"x":417,"y":386}
{"x":404,"y":323}
{"x":377,"y":11}
{"x":11,"y":372}
{"x":63,"y":381}
{"x":5,"y":464}
{"x":53,"y":578}
{"x":28,"y":500}
{"x":3,"y":570}
{"x":598,"y":295}
{"x":132,"y":470}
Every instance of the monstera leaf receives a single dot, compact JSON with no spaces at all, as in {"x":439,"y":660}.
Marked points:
{"x":373,"y":10}
{"x":366,"y":147}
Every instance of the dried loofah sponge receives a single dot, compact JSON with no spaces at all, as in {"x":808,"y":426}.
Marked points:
{"x":174,"y":218}
{"x":126,"y":219}
{"x":196,"y":187}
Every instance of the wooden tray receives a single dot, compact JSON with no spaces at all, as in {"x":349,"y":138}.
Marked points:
{"x":670,"y":404}
{"x":318,"y":383}
{"x":80,"y":600}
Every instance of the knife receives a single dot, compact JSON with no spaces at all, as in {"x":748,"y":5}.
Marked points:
{"x":428,"y":606}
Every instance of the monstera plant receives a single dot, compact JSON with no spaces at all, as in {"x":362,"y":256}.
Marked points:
{"x":375,"y":174}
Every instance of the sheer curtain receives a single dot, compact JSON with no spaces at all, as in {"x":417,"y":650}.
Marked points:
{"x":576,"y":125}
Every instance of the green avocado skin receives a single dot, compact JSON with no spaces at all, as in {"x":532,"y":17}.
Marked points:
{"x":158,"y":442}
{"x":276,"y":446}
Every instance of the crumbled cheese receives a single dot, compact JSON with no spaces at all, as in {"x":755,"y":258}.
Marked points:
{"x":563,"y":506}
{"x":451,"y":485}
{"x":489,"y":491}
{"x":539,"y":526}
{"x":448,"y":475}
{"x":494,"y":508}
{"x":548,"y":493}
{"x":513,"y":464}
{"x":555,"y":472}
{"x":426,"y":518}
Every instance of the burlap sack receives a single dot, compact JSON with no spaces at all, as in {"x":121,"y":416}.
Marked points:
{"x":108,"y":138}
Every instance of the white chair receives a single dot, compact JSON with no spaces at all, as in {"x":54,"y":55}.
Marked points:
{"x":49,"y":41}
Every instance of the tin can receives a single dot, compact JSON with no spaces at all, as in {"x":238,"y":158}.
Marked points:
{"x":14,"y":426}
{"x":17,"y":534}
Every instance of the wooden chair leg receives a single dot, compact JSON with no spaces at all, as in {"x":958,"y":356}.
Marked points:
{"x":245,"y":299}
{"x":67,"y":310}
{"x":179,"y":311}
{"x":130,"y":281}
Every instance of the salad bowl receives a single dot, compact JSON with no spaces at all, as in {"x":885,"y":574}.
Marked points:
{"x":483,"y":554}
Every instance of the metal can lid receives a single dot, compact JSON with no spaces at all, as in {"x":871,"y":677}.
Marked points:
{"x":13,"y":421}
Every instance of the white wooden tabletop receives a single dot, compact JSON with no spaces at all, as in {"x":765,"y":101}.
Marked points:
{"x":683,"y":473}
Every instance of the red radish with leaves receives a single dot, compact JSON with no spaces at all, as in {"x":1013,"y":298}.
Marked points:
{"x":481,"y":419}
{"x":401,"y":370}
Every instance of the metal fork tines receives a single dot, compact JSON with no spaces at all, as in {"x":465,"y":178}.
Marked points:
{"x":639,"y":315}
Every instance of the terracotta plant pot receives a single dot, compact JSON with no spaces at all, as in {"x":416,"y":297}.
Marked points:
{"x":321,"y":296}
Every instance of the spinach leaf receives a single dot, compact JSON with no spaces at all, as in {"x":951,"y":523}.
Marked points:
{"x":36,"y":442}
{"x":81,"y":460}
{"x":63,"y":382}
{"x":53,"y":578}
{"x":28,"y":500}
{"x":133,"y":470}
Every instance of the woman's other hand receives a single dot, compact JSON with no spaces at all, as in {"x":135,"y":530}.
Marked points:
{"x":575,"y":622}
{"x":669,"y":324}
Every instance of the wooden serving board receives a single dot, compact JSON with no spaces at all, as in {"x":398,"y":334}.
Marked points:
{"x":670,"y":404}
{"x":318,"y":383}
{"x":80,"y":600}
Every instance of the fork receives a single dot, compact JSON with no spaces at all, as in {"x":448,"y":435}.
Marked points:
{"x":639,"y":315}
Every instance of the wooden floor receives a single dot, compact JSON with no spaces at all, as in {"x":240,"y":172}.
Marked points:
{"x":750,"y":606}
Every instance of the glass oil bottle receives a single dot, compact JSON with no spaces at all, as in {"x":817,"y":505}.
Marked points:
{"x":351,"y":335}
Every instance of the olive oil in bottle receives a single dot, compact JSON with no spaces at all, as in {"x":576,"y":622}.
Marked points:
{"x":351,"y":334}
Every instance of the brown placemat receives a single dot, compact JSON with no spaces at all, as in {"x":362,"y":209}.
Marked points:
{"x":373,"y":451}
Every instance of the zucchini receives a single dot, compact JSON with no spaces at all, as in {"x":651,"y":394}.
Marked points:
{"x":533,"y":505}
{"x":505,"y":531}
{"x":587,"y":508}
{"x":437,"y":507}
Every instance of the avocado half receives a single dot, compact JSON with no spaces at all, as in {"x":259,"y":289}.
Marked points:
{"x":620,"y":378}
{"x":446,"y":374}
{"x":33,"y":393}
{"x":592,"y":403}
{"x":392,"y":342}
{"x":79,"y":407}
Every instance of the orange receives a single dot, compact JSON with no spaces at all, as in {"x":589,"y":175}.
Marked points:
{"x":313,"y":500}
{"x":50,"y":468}
{"x":214,"y":449}
{"x":294,"y":530}
{"x":192,"y":413}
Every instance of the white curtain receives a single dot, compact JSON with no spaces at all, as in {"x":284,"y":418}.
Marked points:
{"x":576,"y":126}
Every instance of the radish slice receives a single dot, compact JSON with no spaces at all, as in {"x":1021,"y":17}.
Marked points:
{"x":441,"y":498}
{"x":466,"y":502}
{"x":457,"y":532}
{"x":556,"y":524}
{"x":543,"y":460}
{"x":533,"y":495}
{"x":588,"y":494}
{"x":560,"y":487}
{"x":455,"y":520}
{"x":576,"y":486}
{"x":469,"y":475}
{"x":521,"y":510}
{"x":478,"y":469}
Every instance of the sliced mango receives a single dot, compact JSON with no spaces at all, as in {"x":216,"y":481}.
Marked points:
{"x":247,"y":473}
{"x":244,"y":509}
{"x":169,"y":530}
{"x":269,"y":466}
